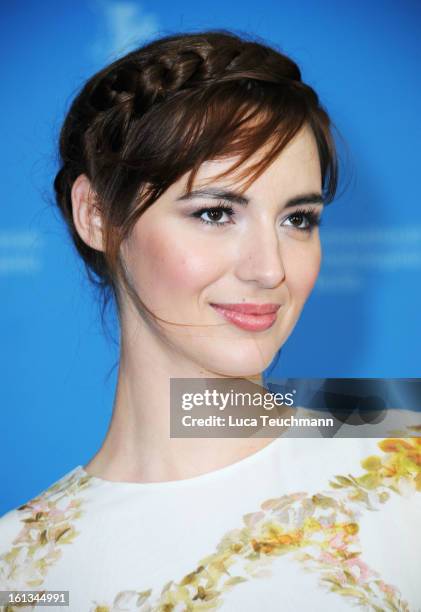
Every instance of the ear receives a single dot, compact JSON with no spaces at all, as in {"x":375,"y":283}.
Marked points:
{"x":86,"y":214}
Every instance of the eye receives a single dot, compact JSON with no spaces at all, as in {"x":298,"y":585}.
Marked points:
{"x":304,"y":220}
{"x":215,"y":213}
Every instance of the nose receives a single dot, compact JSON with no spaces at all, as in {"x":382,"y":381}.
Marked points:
{"x":260,"y":258}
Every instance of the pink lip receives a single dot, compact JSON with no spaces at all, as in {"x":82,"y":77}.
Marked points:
{"x":252,"y":317}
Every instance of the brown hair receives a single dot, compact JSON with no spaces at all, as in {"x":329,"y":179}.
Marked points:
{"x":142,"y":122}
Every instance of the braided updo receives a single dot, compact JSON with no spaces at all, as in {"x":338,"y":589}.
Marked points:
{"x":142,"y":122}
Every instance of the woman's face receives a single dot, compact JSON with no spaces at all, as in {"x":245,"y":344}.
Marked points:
{"x":260,"y":249}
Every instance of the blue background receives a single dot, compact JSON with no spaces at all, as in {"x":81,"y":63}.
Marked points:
{"x":57,"y":369}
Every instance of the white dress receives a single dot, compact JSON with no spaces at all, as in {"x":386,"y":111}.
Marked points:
{"x":302,"y":524}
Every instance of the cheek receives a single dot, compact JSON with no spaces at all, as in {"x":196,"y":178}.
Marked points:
{"x":168,"y":262}
{"x":302,"y":272}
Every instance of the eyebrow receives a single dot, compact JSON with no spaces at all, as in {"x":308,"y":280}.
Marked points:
{"x":237,"y":198}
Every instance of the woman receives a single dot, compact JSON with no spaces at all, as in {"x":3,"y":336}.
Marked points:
{"x":194,"y":174}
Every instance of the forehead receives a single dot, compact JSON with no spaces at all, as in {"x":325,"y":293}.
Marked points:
{"x":298,"y":164}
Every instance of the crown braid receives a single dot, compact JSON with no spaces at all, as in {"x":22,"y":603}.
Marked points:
{"x":146,"y":81}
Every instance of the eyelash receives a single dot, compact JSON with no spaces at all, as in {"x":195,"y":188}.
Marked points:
{"x":312,"y":218}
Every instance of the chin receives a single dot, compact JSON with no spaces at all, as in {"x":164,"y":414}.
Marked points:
{"x":237,"y":360}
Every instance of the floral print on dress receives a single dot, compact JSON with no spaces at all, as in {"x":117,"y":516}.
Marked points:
{"x":48,"y":524}
{"x":319,"y":531}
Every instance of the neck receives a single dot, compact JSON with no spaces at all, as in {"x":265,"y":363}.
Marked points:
{"x":138,"y":446}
